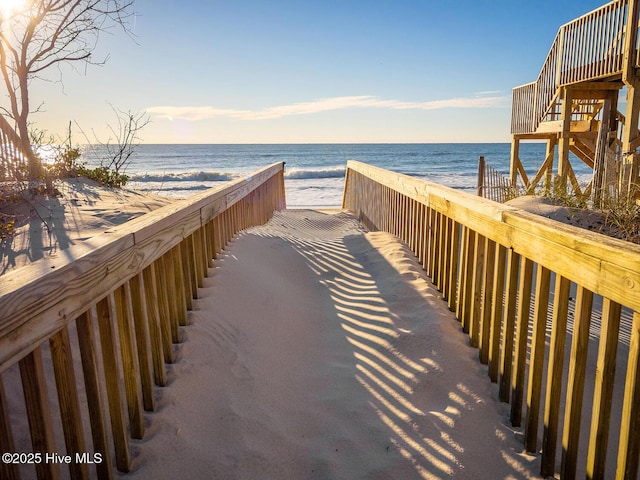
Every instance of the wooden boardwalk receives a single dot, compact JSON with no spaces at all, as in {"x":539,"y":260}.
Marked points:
{"x":338,"y":360}
{"x":308,"y":337}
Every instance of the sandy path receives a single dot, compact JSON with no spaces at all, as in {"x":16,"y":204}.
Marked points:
{"x":320,"y":351}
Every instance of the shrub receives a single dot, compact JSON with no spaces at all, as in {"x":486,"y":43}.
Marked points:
{"x":622,"y":214}
{"x":104,"y":176}
{"x":7,"y":228}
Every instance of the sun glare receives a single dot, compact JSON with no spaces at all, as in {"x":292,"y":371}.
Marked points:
{"x":9,"y":7}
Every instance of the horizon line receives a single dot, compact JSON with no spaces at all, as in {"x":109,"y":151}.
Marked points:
{"x":323,"y":143}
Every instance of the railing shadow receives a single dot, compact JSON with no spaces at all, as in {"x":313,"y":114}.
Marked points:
{"x":421,"y":379}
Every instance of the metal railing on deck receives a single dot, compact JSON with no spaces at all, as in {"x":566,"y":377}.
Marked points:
{"x":588,"y":48}
{"x":502,"y":271}
{"x":125,"y":292}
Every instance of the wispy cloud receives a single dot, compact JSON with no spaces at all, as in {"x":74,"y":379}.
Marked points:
{"x":489,"y":92}
{"x":322,"y":105}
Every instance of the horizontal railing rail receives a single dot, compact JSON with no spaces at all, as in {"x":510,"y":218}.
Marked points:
{"x":506,"y":273}
{"x":123,"y":295}
{"x":588,"y":48}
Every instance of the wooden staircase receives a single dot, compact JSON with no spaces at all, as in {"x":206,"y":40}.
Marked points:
{"x":573,"y":104}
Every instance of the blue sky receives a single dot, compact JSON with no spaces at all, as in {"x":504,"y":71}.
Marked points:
{"x":307,"y":71}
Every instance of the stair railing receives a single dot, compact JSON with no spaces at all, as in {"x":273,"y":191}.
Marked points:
{"x":588,"y":48}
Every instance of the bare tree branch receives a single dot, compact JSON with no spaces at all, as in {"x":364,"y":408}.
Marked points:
{"x":126,"y":135}
{"x":46,"y":33}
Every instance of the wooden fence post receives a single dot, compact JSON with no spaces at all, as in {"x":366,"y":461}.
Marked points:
{"x":481,"y":168}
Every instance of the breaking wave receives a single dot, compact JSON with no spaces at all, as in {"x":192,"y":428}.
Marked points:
{"x":308,"y":173}
{"x":184,"y":177}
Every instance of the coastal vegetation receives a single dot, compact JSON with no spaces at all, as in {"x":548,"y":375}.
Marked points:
{"x":616,"y":215}
{"x":18,"y":197}
{"x":36,"y":39}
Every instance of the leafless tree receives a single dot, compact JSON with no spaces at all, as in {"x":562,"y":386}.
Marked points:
{"x":120,"y":149}
{"x":44,"y":34}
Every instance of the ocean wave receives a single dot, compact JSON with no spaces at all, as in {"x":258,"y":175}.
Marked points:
{"x":307,"y":173}
{"x":170,"y":189}
{"x":201,"y":176}
{"x":208,"y":176}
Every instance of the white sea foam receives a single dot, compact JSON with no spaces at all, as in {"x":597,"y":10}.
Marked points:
{"x":201,"y":176}
{"x":314,"y":174}
{"x":309,"y":173}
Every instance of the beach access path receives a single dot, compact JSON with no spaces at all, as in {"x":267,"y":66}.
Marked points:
{"x":320,"y":350}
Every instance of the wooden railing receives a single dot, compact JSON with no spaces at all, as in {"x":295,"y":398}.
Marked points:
{"x":505,"y":273}
{"x":523,"y":109}
{"x":123,"y":295}
{"x":588,"y":48}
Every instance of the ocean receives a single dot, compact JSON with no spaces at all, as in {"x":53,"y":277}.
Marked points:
{"x":314,"y":173}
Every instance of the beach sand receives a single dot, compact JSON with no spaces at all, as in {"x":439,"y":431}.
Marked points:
{"x":47,"y":225}
{"x":578,"y":217}
{"x":315,"y":350}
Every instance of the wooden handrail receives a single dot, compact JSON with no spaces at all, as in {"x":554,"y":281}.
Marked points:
{"x":482,"y":256}
{"x":135,"y":282}
{"x":593,"y":44}
{"x":585,"y":49}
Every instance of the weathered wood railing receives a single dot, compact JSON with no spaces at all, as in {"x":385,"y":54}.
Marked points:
{"x":497,"y":267}
{"x":588,"y":48}
{"x":125,"y":293}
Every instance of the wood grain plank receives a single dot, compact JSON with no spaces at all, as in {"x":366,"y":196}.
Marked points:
{"x":486,"y":299}
{"x":143,"y":342}
{"x":95,"y":401}
{"x":522,"y":333}
{"x":112,"y":380}
{"x":629,"y":444}
{"x":497,"y":312}
{"x":65,"y":376}
{"x":554,"y":377}
{"x":508,"y":333}
{"x":9,"y":470}
{"x":536,"y":357}
{"x":130,"y":363}
{"x":575,"y":383}
{"x":603,"y":390}
{"x":155,"y":330}
{"x":39,"y":413}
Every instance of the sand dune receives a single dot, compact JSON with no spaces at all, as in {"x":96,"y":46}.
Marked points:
{"x":83,"y":209}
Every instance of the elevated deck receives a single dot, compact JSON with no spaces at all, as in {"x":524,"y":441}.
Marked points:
{"x":573,"y":105}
